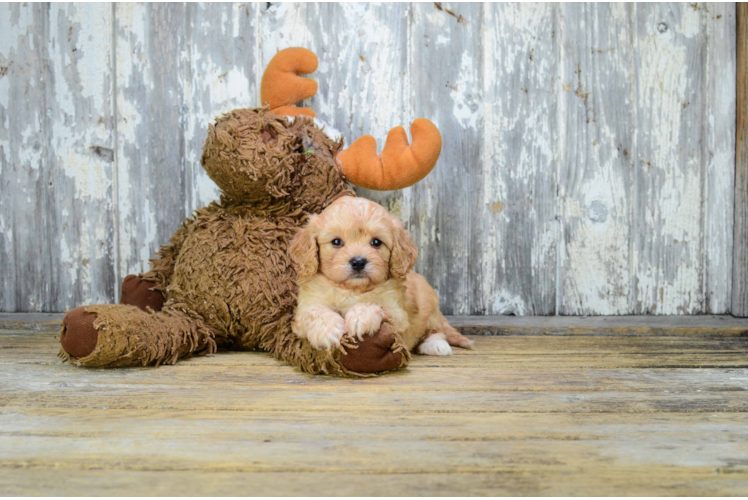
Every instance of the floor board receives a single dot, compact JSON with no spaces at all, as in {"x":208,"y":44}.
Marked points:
{"x":523,"y":414}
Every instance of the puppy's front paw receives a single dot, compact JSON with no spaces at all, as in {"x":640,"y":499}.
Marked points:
{"x":363,"y":319}
{"x":326,"y":331}
{"x":435,"y":345}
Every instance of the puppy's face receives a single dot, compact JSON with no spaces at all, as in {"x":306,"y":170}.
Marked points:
{"x":354,"y":243}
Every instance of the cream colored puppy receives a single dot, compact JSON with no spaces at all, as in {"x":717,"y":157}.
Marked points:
{"x":354,"y":263}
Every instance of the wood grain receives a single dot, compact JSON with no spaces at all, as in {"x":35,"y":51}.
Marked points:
{"x":151,"y":179}
{"x":219,"y":68}
{"x":447,"y":53}
{"x":597,"y":133}
{"x":636,"y":481}
{"x":740,"y":251}
{"x":669,"y":169}
{"x":56,"y":213}
{"x":517,"y":415}
{"x":588,"y":150}
{"x":516,"y":211}
{"x":719,"y":155}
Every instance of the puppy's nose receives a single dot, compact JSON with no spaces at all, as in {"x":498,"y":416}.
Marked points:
{"x":358,"y":263}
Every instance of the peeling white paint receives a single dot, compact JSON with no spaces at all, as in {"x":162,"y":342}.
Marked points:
{"x":646,"y":231}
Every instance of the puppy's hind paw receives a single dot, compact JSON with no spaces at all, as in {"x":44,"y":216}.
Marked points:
{"x":435,"y":345}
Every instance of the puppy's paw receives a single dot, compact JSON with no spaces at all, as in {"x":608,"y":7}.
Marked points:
{"x":363,"y":319}
{"x":324,"y":330}
{"x":435,"y":345}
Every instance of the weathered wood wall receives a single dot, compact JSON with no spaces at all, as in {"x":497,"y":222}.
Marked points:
{"x":589,"y":149}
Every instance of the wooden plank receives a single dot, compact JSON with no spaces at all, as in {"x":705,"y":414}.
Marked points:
{"x":596,"y":138}
{"x":297,"y":424}
{"x":321,"y":400}
{"x":56,"y":186}
{"x":513,"y":252}
{"x":600,"y":481}
{"x":601,"y":325}
{"x":520,"y":415}
{"x":32,"y":321}
{"x":719,"y":157}
{"x":80,"y":222}
{"x":23,"y":158}
{"x":446,"y":67}
{"x":740,"y":248}
{"x":219,"y":67}
{"x":285,"y":446}
{"x":151,"y":184}
{"x":669,"y":170}
{"x":509,"y":375}
{"x":618,"y":369}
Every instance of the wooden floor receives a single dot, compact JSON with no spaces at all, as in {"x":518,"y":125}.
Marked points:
{"x":589,"y":413}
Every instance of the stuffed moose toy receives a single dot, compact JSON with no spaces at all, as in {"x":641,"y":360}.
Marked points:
{"x":225,"y":280}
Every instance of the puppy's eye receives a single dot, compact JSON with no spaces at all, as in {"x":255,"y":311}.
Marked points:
{"x":337,"y":242}
{"x":376,"y":243}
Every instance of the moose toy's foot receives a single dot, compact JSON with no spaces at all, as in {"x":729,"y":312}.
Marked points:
{"x":380,"y":352}
{"x":138,"y":292}
{"x":79,"y":337}
{"x":117,"y":335}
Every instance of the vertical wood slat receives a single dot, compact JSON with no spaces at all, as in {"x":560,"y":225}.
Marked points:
{"x":56,"y":222}
{"x":740,"y":251}
{"x":23,"y":157}
{"x":446,"y":52}
{"x":220,"y":67}
{"x":517,"y":235}
{"x":150,"y":147}
{"x":719,"y":157}
{"x":596,"y":118}
{"x":670,"y":46}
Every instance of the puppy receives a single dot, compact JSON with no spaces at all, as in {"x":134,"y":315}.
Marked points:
{"x":354,"y":264}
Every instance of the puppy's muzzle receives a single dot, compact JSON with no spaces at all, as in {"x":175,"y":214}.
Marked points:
{"x":358,"y":263}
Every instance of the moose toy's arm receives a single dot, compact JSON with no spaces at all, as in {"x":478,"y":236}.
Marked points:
{"x":148,"y":289}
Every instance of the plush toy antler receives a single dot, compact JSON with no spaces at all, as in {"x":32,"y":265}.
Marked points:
{"x":281,"y":87}
{"x":400,"y":165}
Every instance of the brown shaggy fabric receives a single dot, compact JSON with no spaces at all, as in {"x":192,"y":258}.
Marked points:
{"x":226,"y":277}
{"x":128,"y":336}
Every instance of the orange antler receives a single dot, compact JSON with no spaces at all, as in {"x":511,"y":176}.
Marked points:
{"x":400,"y":165}
{"x":281,"y":87}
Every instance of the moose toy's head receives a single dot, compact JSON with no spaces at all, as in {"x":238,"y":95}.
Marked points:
{"x":277,"y":153}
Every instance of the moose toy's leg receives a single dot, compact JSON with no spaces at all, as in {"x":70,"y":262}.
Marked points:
{"x":123,"y":335}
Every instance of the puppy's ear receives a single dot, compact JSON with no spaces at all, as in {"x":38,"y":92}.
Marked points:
{"x":304,"y":252}
{"x":404,"y":252}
